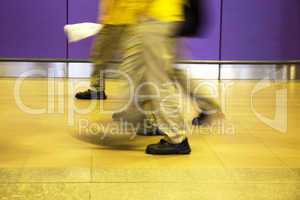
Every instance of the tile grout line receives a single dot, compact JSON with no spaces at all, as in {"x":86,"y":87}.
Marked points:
{"x":216,"y":154}
{"x":92,"y":167}
{"x":152,"y":182}
{"x":272,"y":152}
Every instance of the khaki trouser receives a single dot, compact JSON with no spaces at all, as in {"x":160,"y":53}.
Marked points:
{"x":205,"y":103}
{"x":108,"y":44}
{"x":105,"y":47}
{"x":148,"y":62}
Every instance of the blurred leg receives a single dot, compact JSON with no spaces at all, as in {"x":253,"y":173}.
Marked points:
{"x":148,"y":63}
{"x":152,"y":45}
{"x":193,"y":88}
{"x":106,"y":45}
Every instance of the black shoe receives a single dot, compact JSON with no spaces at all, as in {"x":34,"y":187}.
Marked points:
{"x":166,"y":148}
{"x":199,"y":120}
{"x":150,"y":132}
{"x":207,"y":119}
{"x":90,"y":94}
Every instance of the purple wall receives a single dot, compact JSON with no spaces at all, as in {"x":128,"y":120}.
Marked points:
{"x":82,"y":11}
{"x":207,"y":45}
{"x":249,"y":30}
{"x":261,"y":30}
{"x":32,"y":29}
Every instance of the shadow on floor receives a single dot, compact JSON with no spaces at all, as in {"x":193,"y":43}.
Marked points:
{"x":112,"y":142}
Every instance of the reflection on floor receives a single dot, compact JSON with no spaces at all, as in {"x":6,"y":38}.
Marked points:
{"x":255,"y":154}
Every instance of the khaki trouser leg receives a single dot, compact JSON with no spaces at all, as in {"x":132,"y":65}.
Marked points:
{"x":107,"y":43}
{"x":196,"y":90}
{"x":148,"y":61}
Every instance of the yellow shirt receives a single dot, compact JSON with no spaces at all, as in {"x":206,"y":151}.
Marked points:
{"x":130,"y":11}
{"x":166,"y":10}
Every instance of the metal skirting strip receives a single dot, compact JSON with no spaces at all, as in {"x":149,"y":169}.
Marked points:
{"x":33,"y":69}
{"x":204,"y":71}
{"x":254,"y":72}
{"x":196,"y":71}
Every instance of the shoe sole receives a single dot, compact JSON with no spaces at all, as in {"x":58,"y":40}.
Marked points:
{"x":166,"y":153}
{"x":100,"y":98}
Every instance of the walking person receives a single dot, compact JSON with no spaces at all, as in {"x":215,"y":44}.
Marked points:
{"x":148,"y":61}
{"x":107,"y":45}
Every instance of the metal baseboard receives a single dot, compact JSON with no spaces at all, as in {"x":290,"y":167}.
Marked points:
{"x":33,"y":69}
{"x":211,"y":71}
{"x":255,"y":72}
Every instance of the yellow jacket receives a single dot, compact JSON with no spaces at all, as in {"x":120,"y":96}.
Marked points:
{"x":130,"y":11}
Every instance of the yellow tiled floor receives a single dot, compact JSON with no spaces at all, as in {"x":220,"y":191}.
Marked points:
{"x":43,"y":156}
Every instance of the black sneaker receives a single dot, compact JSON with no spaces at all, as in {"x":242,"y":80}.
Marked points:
{"x":150,"y":132}
{"x":166,"y":148}
{"x":90,"y":94}
{"x":199,"y":120}
{"x":207,"y":119}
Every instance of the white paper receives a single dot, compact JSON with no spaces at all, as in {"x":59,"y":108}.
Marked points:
{"x":80,"y":31}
